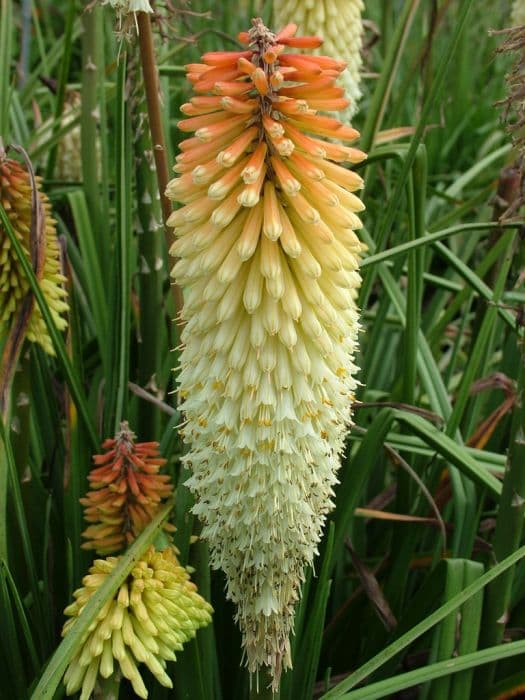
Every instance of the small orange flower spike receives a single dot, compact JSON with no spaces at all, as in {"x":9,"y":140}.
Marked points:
{"x":127,"y":492}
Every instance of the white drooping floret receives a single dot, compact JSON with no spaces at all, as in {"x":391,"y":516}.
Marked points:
{"x":339,"y":23}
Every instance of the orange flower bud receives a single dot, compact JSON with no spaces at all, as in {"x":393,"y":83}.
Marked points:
{"x":127,"y":492}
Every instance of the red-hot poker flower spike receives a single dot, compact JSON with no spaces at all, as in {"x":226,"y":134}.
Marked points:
{"x":127,"y":492}
{"x":269,"y":261}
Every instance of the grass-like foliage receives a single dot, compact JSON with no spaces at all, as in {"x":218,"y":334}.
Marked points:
{"x":419,"y":584}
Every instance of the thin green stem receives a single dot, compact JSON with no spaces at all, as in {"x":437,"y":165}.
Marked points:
{"x":151,"y":279}
{"x":509,"y":527}
{"x":92,"y":35}
{"x":62,"y":82}
{"x":6,"y":38}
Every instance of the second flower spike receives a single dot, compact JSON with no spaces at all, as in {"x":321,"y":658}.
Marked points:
{"x":127,"y":491}
{"x":269,"y":260}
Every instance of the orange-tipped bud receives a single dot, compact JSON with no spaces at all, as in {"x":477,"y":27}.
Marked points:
{"x":127,"y":492}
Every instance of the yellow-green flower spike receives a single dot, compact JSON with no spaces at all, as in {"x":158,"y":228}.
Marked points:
{"x":151,"y":616}
{"x":340,"y":24}
{"x":15,"y":195}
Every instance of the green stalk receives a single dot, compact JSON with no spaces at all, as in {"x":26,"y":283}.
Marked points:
{"x":6,"y":37}
{"x":120,"y":292}
{"x":417,"y":199}
{"x":509,"y":528}
{"x":151,"y":279}
{"x":260,"y":687}
{"x":62,"y":83}
{"x":108,"y":688}
{"x":92,"y":64}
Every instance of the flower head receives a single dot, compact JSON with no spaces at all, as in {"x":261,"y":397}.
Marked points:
{"x":127,"y":492}
{"x":268,"y":257}
{"x":16,"y":198}
{"x":153,"y":613}
{"x":339,"y":23}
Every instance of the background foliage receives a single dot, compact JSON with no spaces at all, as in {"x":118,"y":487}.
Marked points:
{"x":406,"y":577}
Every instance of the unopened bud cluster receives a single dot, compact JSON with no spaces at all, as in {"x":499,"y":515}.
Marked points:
{"x":127,"y":491}
{"x":152,"y":614}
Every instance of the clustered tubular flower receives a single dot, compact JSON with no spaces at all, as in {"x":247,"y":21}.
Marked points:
{"x":16,"y":198}
{"x":268,"y":258}
{"x":339,"y":23}
{"x":153,"y":613}
{"x":127,"y":492}
{"x":518,"y":13}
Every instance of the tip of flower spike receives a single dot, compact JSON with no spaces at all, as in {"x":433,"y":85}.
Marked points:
{"x":127,"y":491}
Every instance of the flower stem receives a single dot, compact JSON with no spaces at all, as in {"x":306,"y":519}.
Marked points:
{"x":151,"y":84}
{"x":108,"y":688}
{"x":509,"y":528}
{"x":261,"y":687}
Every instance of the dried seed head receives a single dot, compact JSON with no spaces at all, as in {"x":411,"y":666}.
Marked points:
{"x":150,"y":617}
{"x":270,"y":272}
{"x":126,"y":11}
{"x":127,"y":492}
{"x":15,"y":195}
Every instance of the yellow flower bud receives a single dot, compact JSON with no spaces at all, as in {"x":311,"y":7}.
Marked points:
{"x":340,"y":25}
{"x":15,"y":195}
{"x":156,"y":611}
